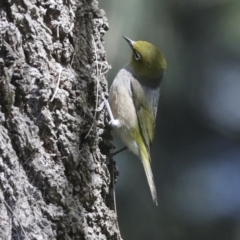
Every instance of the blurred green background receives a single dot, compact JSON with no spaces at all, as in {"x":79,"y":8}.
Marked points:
{"x":196,"y":151}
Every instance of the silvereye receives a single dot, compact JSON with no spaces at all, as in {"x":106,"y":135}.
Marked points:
{"x":133,"y":100}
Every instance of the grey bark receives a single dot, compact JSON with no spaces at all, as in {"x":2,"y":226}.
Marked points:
{"x":54,"y":180}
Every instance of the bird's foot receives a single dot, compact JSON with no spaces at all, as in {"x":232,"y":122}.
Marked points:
{"x":114,"y":123}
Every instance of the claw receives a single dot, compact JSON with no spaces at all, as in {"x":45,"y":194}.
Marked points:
{"x":103,"y":103}
{"x":101,"y":107}
{"x":104,"y":95}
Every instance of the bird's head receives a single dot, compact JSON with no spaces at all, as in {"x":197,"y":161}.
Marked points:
{"x":147,"y":61}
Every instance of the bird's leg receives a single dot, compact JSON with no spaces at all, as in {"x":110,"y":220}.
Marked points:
{"x":117,"y":152}
{"x":113,"y":122}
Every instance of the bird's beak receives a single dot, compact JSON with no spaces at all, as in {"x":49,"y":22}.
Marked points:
{"x":129,"y":41}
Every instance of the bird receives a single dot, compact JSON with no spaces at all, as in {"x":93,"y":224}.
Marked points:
{"x":133,"y":101}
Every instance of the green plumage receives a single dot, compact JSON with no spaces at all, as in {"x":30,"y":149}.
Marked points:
{"x":151,"y":64}
{"x":145,"y":114}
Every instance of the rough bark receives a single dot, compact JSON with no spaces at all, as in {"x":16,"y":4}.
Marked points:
{"x":54,"y":181}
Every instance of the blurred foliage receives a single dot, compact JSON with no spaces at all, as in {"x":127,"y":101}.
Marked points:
{"x":196,"y":151}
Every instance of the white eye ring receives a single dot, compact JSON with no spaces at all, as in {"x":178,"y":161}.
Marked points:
{"x":137,"y":56}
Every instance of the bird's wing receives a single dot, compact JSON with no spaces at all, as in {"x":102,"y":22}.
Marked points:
{"x":145,"y":113}
{"x":153,"y":95}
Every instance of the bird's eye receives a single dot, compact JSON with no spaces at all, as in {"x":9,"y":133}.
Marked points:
{"x":137,"y":56}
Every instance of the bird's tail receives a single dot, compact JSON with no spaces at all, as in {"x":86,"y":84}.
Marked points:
{"x":146,"y":161}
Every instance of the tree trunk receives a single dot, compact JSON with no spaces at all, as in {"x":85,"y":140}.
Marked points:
{"x":54,"y":180}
